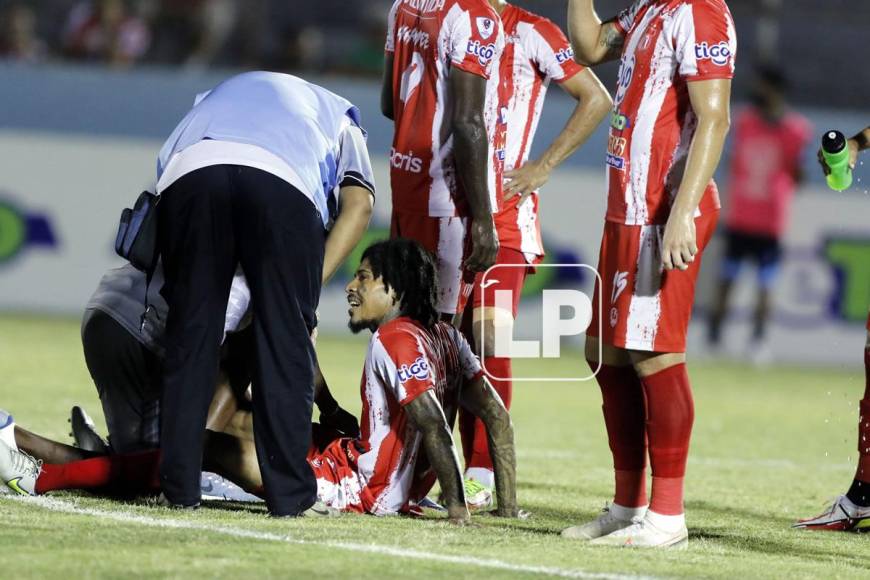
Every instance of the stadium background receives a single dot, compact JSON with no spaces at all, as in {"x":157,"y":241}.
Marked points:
{"x":81,"y":120}
{"x":80,"y":127}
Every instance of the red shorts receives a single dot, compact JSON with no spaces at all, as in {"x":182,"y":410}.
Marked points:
{"x":448,"y":239}
{"x":644,"y":307}
{"x":508,"y":279}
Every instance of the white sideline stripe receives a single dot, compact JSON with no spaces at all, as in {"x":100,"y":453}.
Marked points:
{"x":726,"y":462}
{"x":131,"y":518}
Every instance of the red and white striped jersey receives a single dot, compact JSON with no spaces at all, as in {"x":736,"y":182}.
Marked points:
{"x":536,"y":52}
{"x":374,"y":474}
{"x":668,"y":43}
{"x":428,"y":38}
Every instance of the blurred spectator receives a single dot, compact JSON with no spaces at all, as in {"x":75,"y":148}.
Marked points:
{"x":104,"y":30}
{"x":18,"y":39}
{"x":769,"y":143}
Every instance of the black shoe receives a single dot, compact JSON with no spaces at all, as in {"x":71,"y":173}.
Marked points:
{"x":84,"y":433}
{"x":163,"y":501}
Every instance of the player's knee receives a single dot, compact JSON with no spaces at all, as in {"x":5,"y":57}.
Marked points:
{"x":489,"y":323}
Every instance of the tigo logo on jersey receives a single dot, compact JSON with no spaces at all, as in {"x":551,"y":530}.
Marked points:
{"x":484,"y":53}
{"x":720,"y":53}
{"x":486,"y":26}
{"x":565,"y":55}
{"x":19,"y":230}
{"x":405,"y":162}
{"x":419,"y":370}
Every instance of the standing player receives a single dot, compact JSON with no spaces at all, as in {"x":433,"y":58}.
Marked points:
{"x":769,"y":141}
{"x":537,"y":52}
{"x":444,"y":166}
{"x":851,"y":512}
{"x":671,"y":115}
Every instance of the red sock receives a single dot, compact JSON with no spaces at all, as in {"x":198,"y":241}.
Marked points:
{"x":128,"y":473}
{"x":863,"y":472}
{"x":625,"y":418}
{"x":670,"y":415}
{"x":476,"y":448}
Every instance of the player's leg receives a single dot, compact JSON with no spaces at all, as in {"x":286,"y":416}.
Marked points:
{"x":127,"y":377}
{"x":768,"y":256}
{"x":851,"y":511}
{"x":655,"y":328}
{"x":496,"y":300}
{"x":197,"y":247}
{"x":622,"y":395}
{"x":281,"y":240}
{"x":729,"y":270}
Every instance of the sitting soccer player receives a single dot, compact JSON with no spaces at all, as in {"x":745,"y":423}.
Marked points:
{"x":851,"y":511}
{"x":417,"y":372}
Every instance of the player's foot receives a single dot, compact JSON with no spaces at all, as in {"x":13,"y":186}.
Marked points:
{"x":84,"y":432}
{"x":477,"y":496}
{"x":216,"y":488}
{"x":611,"y":519}
{"x":320,"y":510}
{"x":7,"y":429}
{"x":643,"y":533}
{"x":841,"y":516}
{"x":164,"y":501}
{"x":18,"y":470}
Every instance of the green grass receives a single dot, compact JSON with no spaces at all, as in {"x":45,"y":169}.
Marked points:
{"x":768,"y":447}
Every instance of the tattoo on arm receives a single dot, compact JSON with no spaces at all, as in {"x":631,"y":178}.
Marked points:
{"x":428,"y":416}
{"x":481,"y":399}
{"x":611,"y":39}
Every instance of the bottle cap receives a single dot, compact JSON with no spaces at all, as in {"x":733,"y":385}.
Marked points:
{"x":833,"y":142}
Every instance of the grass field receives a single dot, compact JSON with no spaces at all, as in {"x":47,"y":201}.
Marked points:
{"x":769,"y":447}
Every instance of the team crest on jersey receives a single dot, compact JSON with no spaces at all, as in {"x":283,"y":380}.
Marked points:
{"x":486,"y":27}
{"x":418,"y":370}
{"x":719,"y":54}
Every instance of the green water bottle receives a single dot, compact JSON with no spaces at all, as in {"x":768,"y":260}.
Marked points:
{"x":836,"y":154}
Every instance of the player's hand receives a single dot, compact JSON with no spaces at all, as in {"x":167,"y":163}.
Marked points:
{"x":341,"y":421}
{"x":852,"y":144}
{"x":526,"y":180}
{"x":484,"y":246}
{"x":679,"y":246}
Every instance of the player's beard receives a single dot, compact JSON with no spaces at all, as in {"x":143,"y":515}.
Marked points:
{"x":358,"y":326}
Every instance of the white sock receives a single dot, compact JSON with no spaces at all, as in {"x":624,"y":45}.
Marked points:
{"x":481,"y":475}
{"x":626,"y":513}
{"x":670,"y":524}
{"x":7,"y":429}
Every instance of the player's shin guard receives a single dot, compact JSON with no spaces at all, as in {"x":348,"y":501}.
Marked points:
{"x":476,"y":446}
{"x":670,"y":415}
{"x":127,"y":474}
{"x":625,"y":418}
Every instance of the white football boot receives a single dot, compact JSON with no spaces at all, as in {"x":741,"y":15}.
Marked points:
{"x":841,"y":516}
{"x":18,"y":470}
{"x":645,"y":533}
{"x":612,"y":518}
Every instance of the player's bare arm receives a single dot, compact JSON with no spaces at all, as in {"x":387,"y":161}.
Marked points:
{"x":856,"y":144}
{"x":594,"y":41}
{"x":480,"y":399}
{"x":593,"y":105}
{"x":354,"y":214}
{"x":387,"y":88}
{"x":711,"y":101}
{"x":428,"y":416}
{"x":471,"y":149}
